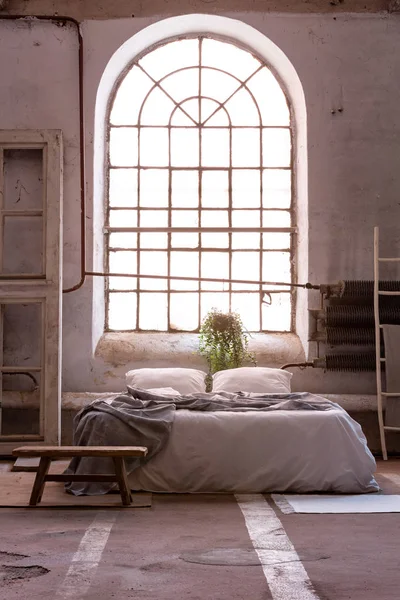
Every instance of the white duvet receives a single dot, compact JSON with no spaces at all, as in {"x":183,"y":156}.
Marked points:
{"x":253,"y":452}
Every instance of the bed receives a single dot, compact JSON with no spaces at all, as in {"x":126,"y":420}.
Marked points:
{"x":302,"y":443}
{"x":261,"y":452}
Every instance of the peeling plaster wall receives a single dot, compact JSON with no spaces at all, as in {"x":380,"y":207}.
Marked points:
{"x":348,"y":62}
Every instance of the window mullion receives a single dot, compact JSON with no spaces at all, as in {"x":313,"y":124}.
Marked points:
{"x":169,"y":233}
{"x":138,"y":244}
{"x":200,"y":183}
{"x":230,"y":203}
{"x":261,"y":234}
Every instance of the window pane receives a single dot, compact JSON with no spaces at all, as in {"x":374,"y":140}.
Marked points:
{"x":184,"y":240}
{"x":276,"y":241}
{"x":18,"y":348}
{"x":245,"y":240}
{"x":248,"y":307}
{"x":153,"y":312}
{"x":185,"y":218}
{"x":129,"y":97}
{"x":123,"y":218}
{"x":242,"y":109}
{"x":23,"y":239}
{"x":220,"y":54}
{"x":123,"y":240}
{"x":213,"y":114}
{"x":154,"y":147}
{"x":171,"y":56}
{"x":246,"y":218}
{"x":185,"y":264}
{"x":270,"y":98}
{"x":277,"y":187}
{"x":184,"y":311}
{"x":276,"y":218}
{"x":276,"y":268}
{"x":122,"y":311}
{"x":154,"y":187}
{"x":185,"y":189}
{"x":214,"y":192}
{"x":123,"y":187}
{"x":215,"y":148}
{"x":214,"y":265}
{"x":216,"y":85}
{"x":184,"y":147}
{"x":218,"y":300}
{"x":215,"y":240}
{"x":122,"y":283}
{"x":245,"y":265}
{"x":214,"y":218}
{"x":187,"y":115}
{"x":154,"y":240}
{"x":182,"y":84}
{"x":245,"y":148}
{"x":277,"y":316}
{"x":153,"y":218}
{"x":276,"y":148}
{"x":246,"y":190}
{"x":123,"y":262}
{"x":123,"y":147}
{"x":153,"y":263}
{"x":157,"y":108}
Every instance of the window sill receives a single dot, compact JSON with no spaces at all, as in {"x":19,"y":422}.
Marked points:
{"x":181,"y":349}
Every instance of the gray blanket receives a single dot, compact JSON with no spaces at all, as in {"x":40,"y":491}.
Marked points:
{"x":142,"y":418}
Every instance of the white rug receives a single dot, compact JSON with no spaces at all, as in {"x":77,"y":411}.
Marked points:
{"x":326,"y":503}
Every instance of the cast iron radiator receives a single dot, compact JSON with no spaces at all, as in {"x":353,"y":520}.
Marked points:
{"x":344,"y":325}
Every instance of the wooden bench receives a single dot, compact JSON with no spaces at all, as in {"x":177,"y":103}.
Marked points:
{"x":48,"y":453}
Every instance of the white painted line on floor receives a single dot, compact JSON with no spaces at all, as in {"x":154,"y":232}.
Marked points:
{"x":286,"y":577}
{"x":86,"y":559}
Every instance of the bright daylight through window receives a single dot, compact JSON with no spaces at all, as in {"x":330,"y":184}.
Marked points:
{"x":200,"y":149}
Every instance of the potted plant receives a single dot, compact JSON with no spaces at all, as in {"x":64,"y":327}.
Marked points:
{"x":224,"y":341}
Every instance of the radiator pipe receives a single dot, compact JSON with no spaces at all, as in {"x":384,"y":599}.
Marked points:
{"x":63,"y":20}
{"x":83,"y":272}
{"x":340,"y":362}
{"x":302,"y":365}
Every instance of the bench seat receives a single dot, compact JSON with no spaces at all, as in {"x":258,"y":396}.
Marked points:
{"x":49,"y":453}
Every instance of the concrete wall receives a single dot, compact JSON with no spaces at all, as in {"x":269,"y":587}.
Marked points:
{"x":346,"y":61}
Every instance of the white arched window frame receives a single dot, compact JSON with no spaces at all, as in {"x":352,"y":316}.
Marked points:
{"x":243,"y":35}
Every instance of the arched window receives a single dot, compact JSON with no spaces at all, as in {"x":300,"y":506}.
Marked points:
{"x":199,"y":185}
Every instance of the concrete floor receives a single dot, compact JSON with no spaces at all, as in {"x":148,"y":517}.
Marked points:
{"x":195,"y":547}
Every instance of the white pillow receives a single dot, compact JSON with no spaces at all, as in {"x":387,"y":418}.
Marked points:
{"x":252,"y":379}
{"x":185,"y":381}
{"x":167,"y":391}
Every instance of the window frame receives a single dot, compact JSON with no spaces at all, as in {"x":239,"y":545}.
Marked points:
{"x":292,"y":230}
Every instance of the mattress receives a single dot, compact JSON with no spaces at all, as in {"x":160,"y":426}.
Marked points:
{"x":255,"y":452}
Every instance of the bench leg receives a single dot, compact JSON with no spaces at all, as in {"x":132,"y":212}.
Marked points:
{"x":39,"y":482}
{"x":122,"y":479}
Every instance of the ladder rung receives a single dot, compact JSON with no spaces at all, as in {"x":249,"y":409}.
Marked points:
{"x":390,"y":394}
{"x":391,"y":428}
{"x":389,"y":259}
{"x":22,"y":213}
{"x":389,"y":293}
{"x":18,"y":369}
